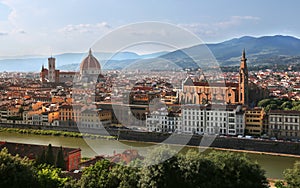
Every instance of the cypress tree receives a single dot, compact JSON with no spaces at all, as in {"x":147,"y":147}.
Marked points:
{"x":60,"y":161}
{"x":41,"y":159}
{"x":49,"y":155}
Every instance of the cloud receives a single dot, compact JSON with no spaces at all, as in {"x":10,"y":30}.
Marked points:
{"x":246,"y":17}
{"x":86,"y":28}
{"x":14,"y":31}
{"x":202,"y":29}
{"x":18,"y":31}
{"x":214,"y":29}
{"x":3,"y":33}
{"x":235,"y":20}
{"x":12,"y":18}
{"x":4,"y":11}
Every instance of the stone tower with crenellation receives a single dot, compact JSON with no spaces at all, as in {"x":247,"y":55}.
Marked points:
{"x":51,"y":69}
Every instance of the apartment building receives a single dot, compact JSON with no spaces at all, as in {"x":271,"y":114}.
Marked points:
{"x":213,"y":119}
{"x":94,"y":118}
{"x":200,"y":119}
{"x":162,"y":121}
{"x":255,"y":119}
{"x":284,"y":124}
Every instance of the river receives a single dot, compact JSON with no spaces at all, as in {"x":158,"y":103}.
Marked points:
{"x":273,"y":165}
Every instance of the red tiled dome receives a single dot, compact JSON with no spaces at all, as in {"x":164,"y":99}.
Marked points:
{"x":90,"y":63}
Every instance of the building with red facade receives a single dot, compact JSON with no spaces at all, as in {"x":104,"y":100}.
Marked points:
{"x":72,"y":156}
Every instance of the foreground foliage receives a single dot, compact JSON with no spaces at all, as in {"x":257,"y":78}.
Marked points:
{"x":16,"y":172}
{"x":216,"y":170}
{"x":291,"y":177}
{"x":160,"y":168}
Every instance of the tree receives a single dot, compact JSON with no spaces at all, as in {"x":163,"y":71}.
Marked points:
{"x":160,"y":169}
{"x":217,"y":169}
{"x":236,"y":170}
{"x":21,"y":110}
{"x":292,"y":176}
{"x":296,"y":107}
{"x":41,"y":159}
{"x":50,"y":177}
{"x":96,"y":176}
{"x":286,"y":105}
{"x":16,"y":172}
{"x":124,"y":176}
{"x":198,"y":171}
{"x":60,"y":161}
{"x":264,"y":102}
{"x":49,"y":158}
{"x":295,"y":103}
{"x":279,"y":184}
{"x":271,"y":107}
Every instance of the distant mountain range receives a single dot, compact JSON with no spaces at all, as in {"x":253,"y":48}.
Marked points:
{"x":257,"y":49}
{"x":266,"y":50}
{"x":70,"y":61}
{"x":261,"y":50}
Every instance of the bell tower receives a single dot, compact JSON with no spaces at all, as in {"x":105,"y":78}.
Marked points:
{"x":51,"y":69}
{"x":243,"y":80}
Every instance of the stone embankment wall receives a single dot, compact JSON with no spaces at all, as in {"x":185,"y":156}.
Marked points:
{"x":195,"y":140}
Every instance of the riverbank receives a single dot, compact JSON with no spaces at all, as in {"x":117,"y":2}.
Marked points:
{"x":54,"y":133}
{"x":273,"y":165}
{"x":202,"y":148}
{"x":94,"y":136}
{"x":291,"y":149}
{"x":287,"y":149}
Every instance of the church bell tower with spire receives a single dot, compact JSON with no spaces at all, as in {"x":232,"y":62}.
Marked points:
{"x":243,"y":80}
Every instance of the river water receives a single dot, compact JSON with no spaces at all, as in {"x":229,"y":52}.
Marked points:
{"x":273,"y":165}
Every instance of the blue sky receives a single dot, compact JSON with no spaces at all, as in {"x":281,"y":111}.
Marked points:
{"x":42,"y":27}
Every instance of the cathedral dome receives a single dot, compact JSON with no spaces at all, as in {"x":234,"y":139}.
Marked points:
{"x":90,"y":65}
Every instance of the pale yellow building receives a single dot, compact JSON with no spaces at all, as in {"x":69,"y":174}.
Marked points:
{"x":254,"y":121}
{"x":95,"y":118}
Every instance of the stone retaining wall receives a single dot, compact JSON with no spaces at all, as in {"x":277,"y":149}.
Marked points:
{"x":218,"y":142}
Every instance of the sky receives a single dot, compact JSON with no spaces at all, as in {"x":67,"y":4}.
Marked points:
{"x":40,"y":27}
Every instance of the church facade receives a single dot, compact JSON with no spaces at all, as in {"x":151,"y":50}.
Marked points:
{"x":90,"y":69}
{"x":204,"y":92}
